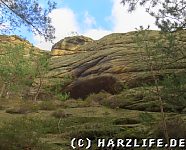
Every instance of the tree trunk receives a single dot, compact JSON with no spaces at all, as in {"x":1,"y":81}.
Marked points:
{"x":2,"y":90}
{"x":165,"y":130}
{"x":38,"y":89}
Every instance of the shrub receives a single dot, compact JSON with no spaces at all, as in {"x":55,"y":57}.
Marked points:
{"x":22,"y":134}
{"x":63,"y":96}
{"x":105,"y":99}
{"x":176,"y":128}
{"x":97,"y":97}
{"x":79,"y":103}
{"x":94,"y":130}
{"x":1,"y":107}
{"x":47,"y":105}
{"x":17,"y":111}
{"x":122,"y":121}
{"x":59,"y":114}
{"x":23,"y":108}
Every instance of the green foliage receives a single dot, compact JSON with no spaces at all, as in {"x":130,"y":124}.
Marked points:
{"x":14,"y":63}
{"x":29,"y":14}
{"x":47,"y":105}
{"x":91,"y":127}
{"x":16,"y":68}
{"x":146,"y":118}
{"x":176,"y":128}
{"x":170,"y":15}
{"x":24,"y":109}
{"x":167,"y":51}
{"x":164,"y":54}
{"x":123,"y":121}
{"x":58,"y":85}
{"x":41,"y":69}
{"x":42,"y":63}
{"x":63,"y":96}
{"x":19,"y":67}
{"x":24,"y":133}
{"x":173,"y":89}
{"x":59,"y":114}
{"x":105,"y":99}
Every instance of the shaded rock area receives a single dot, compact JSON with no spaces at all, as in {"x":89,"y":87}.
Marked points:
{"x":84,"y":87}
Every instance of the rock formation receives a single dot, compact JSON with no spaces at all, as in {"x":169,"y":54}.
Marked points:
{"x":108,"y":64}
{"x":70,"y":45}
{"x":82,"y":66}
{"x":16,"y":40}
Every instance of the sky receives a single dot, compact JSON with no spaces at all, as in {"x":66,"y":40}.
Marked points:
{"x":92,"y":18}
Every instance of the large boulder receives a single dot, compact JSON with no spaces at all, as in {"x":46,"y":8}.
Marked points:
{"x":70,"y":45}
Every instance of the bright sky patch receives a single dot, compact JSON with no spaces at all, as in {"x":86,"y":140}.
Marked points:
{"x":93,"y":18}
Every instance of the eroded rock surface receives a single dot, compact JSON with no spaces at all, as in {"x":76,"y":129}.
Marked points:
{"x":70,"y":45}
{"x":15,"y":40}
{"x":107,"y":64}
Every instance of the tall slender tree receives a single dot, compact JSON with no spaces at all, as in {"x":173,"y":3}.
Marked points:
{"x":170,"y":16}
{"x":16,"y":69}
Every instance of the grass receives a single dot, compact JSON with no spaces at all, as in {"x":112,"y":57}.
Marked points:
{"x":24,"y":133}
{"x":1,"y":107}
{"x":47,"y":105}
{"x":53,"y":128}
{"x":23,"y":108}
{"x":60,"y":114}
{"x":122,"y":121}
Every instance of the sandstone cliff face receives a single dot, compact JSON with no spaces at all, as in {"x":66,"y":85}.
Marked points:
{"x":112,"y":64}
{"x":70,"y":45}
{"x":12,"y":39}
{"x":16,"y":40}
{"x":108,"y":64}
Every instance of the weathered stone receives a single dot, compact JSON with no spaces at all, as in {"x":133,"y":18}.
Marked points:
{"x":15,"y":40}
{"x":106,"y":64}
{"x":110,"y":64}
{"x":70,"y":45}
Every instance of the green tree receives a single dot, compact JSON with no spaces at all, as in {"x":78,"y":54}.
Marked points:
{"x":20,"y":68}
{"x":18,"y":13}
{"x":167,"y":52}
{"x":154,"y":61}
{"x":41,"y":63}
{"x":15,"y":69}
